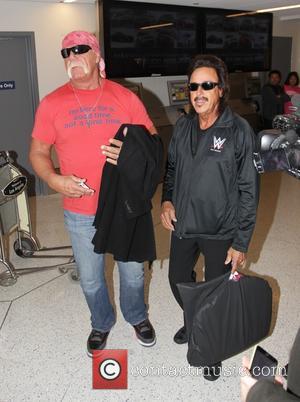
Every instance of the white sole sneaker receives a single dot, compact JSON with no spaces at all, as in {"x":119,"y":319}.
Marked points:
{"x":90,"y":354}
{"x":146,"y":344}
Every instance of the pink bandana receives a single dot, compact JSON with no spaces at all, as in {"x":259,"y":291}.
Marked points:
{"x":84,"y":38}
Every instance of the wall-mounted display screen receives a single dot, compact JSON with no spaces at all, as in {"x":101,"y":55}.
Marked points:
{"x":243,"y":42}
{"x":155,"y":29}
{"x":144,"y":39}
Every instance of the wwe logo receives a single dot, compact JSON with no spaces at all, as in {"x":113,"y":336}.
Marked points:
{"x":218,"y":143}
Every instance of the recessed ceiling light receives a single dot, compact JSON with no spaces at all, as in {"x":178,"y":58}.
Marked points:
{"x":278,"y":8}
{"x":265,"y":10}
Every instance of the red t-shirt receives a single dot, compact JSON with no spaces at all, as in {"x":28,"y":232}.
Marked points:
{"x":79,"y":125}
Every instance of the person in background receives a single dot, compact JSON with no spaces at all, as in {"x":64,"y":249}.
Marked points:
{"x":210,"y":189}
{"x":292,"y":79}
{"x":80,"y":119}
{"x":291,"y":88}
{"x":273,"y":98}
{"x":253,"y":390}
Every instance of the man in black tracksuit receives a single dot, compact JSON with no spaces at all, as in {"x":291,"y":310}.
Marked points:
{"x":273,"y":98}
{"x":210,"y":190}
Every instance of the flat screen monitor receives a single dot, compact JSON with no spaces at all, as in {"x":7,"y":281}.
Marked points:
{"x":145,"y":39}
{"x":243,"y":42}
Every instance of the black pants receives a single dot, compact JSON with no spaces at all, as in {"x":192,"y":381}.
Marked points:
{"x":184,"y":255}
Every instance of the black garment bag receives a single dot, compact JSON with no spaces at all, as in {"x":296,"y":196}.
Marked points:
{"x":225,"y":316}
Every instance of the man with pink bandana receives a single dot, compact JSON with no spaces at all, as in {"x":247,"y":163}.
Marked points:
{"x":80,"y":119}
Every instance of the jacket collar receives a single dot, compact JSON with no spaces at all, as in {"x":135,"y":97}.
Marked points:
{"x":224,"y":120}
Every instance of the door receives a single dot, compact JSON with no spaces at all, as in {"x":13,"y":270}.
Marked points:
{"x":18,"y":100}
{"x":281,"y":55}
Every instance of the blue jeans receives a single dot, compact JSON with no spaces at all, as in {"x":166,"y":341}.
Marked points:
{"x":92,"y":280}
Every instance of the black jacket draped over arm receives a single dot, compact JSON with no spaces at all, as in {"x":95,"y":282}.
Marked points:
{"x":123,"y":219}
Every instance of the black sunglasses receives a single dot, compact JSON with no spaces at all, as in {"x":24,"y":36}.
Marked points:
{"x":207,"y":85}
{"x":78,"y":49}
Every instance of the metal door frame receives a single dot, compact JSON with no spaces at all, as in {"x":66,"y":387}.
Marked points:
{"x":32,"y":77}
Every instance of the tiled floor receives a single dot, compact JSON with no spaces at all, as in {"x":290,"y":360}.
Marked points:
{"x":44,"y":321}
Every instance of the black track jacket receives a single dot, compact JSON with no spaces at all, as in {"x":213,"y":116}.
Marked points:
{"x":211,"y":179}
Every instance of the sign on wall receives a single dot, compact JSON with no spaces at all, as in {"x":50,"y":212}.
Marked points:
{"x":4,"y":85}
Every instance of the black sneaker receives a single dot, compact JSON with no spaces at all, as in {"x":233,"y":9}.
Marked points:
{"x":212,"y":373}
{"x":145,"y":333}
{"x":181,"y":336}
{"x":96,"y":341}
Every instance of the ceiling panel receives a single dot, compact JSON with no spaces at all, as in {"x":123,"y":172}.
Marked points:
{"x":234,"y":4}
{"x":250,"y":5}
{"x":50,"y":1}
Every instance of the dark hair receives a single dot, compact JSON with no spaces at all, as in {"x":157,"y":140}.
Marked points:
{"x":292,"y":74}
{"x":274,"y":72}
{"x":211,"y":61}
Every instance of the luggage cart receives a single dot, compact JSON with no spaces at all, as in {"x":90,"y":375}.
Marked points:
{"x":14,"y":215}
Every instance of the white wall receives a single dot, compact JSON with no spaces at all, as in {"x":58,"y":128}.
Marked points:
{"x":49,"y":22}
{"x":156,"y":89}
{"x":290,"y":28}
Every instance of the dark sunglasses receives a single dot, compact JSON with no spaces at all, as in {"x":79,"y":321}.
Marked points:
{"x":78,"y":49}
{"x":207,"y":85}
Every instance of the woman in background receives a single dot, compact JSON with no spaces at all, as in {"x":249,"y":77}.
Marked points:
{"x":291,"y":88}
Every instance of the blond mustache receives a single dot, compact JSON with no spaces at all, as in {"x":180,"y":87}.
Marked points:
{"x":76,"y":63}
